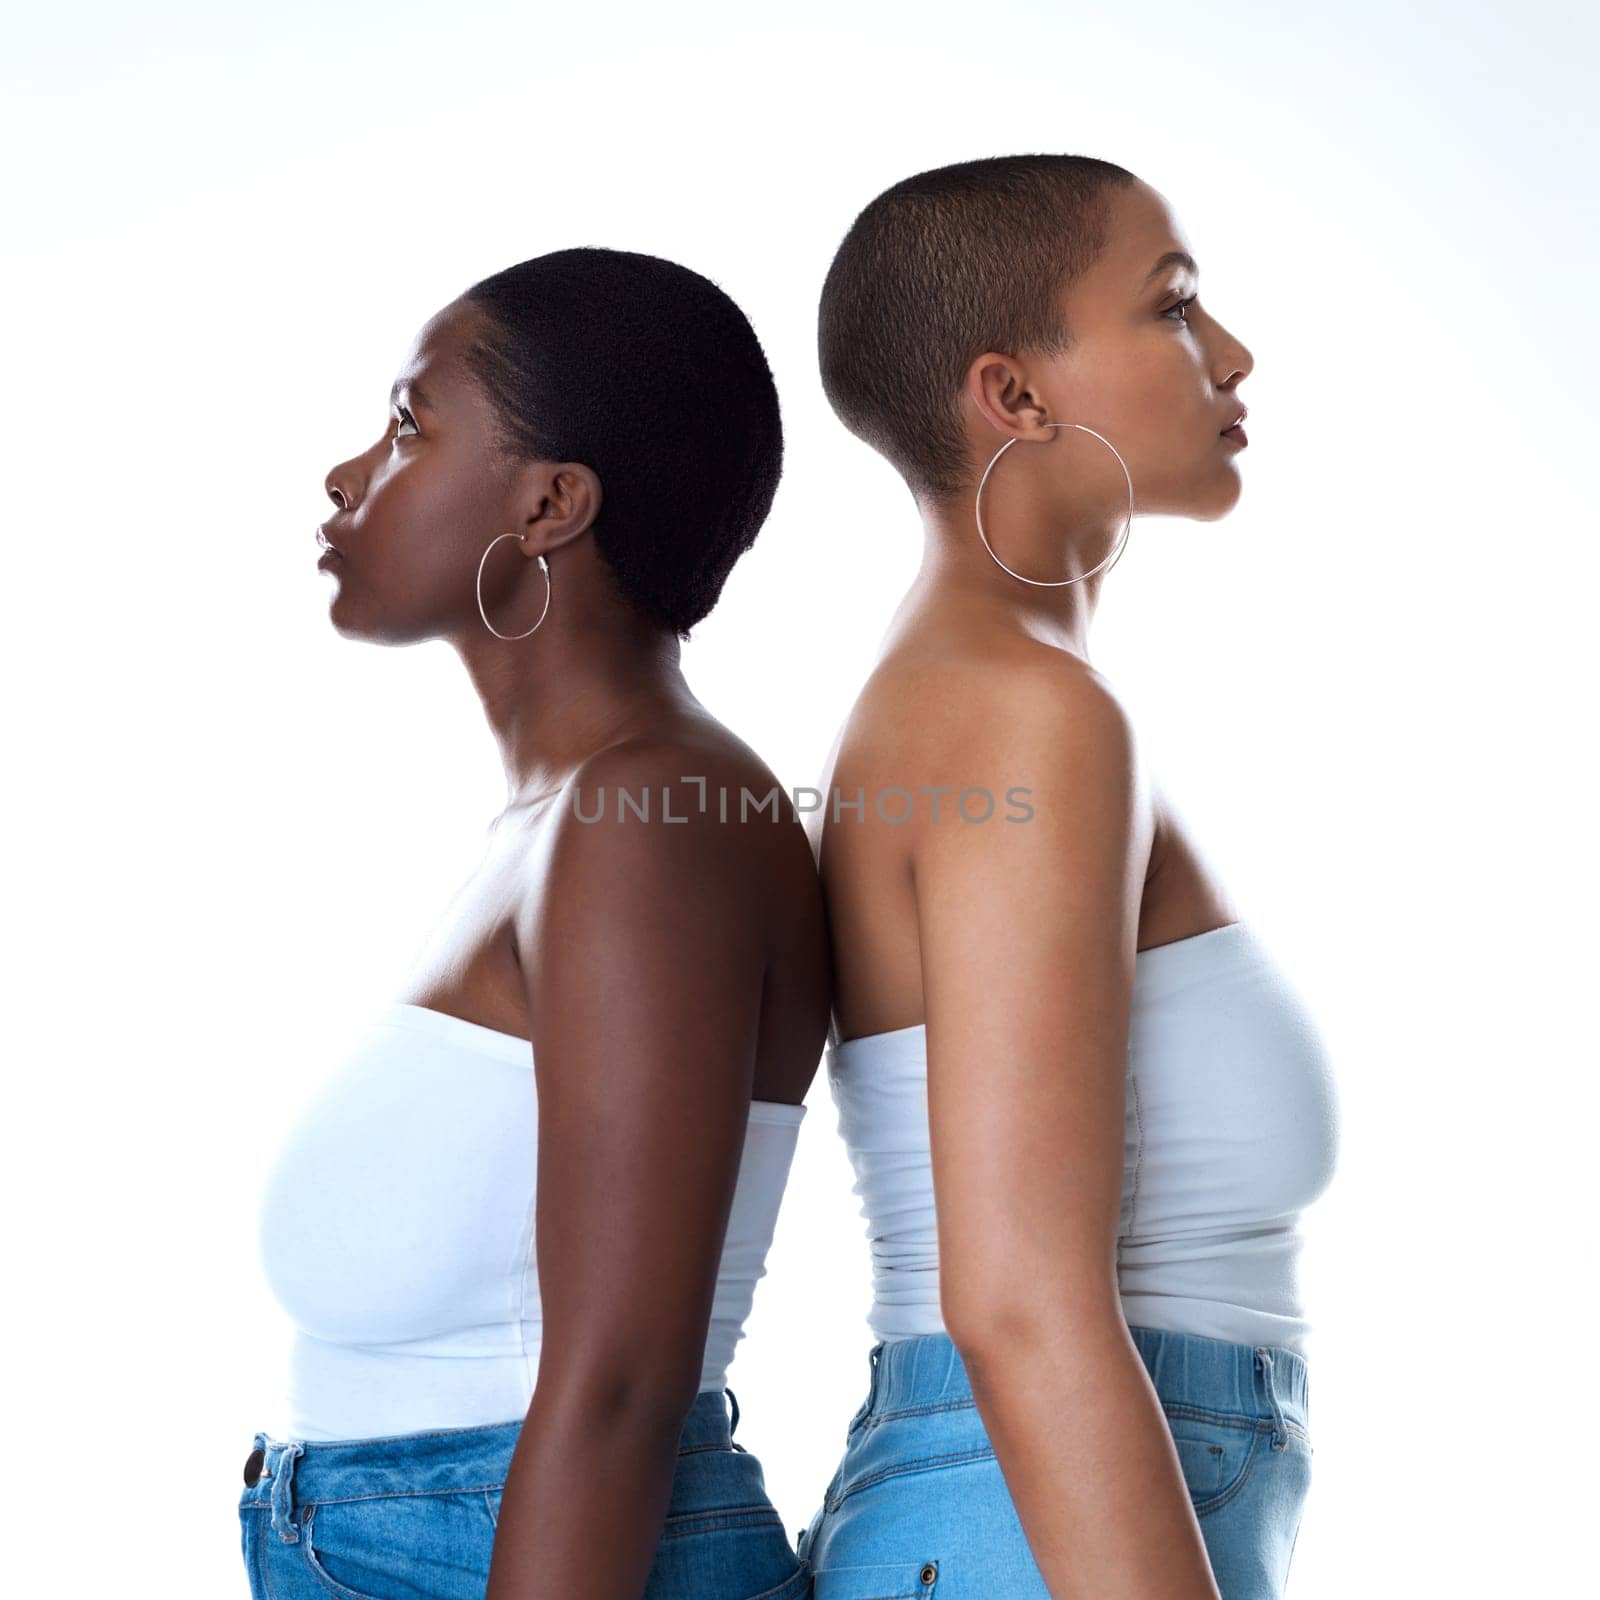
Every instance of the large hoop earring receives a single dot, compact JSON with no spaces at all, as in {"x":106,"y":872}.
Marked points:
{"x":544,"y":567}
{"x":1040,"y":583}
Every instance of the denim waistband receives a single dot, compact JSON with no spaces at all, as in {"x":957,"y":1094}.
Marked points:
{"x":1216,"y":1375}
{"x":294,"y":1472}
{"x":1185,"y":1369}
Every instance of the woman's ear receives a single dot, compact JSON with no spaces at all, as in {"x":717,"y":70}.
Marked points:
{"x":559,"y":500}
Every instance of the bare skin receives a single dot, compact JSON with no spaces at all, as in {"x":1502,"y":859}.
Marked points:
{"x":665,"y":974}
{"x":1014,"y":942}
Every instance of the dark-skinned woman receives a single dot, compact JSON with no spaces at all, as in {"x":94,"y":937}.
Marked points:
{"x":519,"y":1229}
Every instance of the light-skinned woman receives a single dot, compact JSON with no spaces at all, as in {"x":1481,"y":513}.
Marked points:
{"x":1084,"y":1106}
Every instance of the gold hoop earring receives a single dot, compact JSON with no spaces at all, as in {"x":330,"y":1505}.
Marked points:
{"x":1040,"y":583}
{"x":544,"y":567}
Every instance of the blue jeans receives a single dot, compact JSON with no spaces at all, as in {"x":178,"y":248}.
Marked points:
{"x":413,"y":1516}
{"x":919,"y":1507}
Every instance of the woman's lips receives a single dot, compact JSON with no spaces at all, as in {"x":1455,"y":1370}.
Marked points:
{"x":1235,"y":433}
{"x":330,"y":551}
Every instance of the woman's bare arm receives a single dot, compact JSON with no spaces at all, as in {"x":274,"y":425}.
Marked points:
{"x":1028,"y":931}
{"x":644,"y":968}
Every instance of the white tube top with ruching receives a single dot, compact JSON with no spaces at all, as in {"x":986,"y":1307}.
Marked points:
{"x":1231,"y":1131}
{"x":396,"y":1229}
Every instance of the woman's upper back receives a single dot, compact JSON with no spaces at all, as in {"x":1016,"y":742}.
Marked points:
{"x":904,"y":766}
{"x":478,"y":958}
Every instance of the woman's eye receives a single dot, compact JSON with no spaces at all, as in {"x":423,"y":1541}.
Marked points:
{"x":405,"y":417}
{"x":1180,"y":308}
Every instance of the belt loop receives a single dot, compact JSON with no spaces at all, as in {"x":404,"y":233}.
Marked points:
{"x":1264,"y":1365}
{"x":865,"y":1409}
{"x":282,"y":1497}
{"x":733,"y":1400}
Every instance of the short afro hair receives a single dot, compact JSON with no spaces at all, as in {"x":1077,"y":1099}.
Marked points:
{"x":939,"y":268}
{"x":649,"y":374}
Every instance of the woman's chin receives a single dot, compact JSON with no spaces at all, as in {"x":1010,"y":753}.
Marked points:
{"x":1221,"y":495}
{"x":341,"y":613}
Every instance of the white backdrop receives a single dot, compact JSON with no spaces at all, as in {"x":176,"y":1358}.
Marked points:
{"x":1369,"y":689}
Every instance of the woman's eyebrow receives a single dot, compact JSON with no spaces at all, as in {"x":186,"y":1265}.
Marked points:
{"x":418,"y":394}
{"x":1174,"y":258}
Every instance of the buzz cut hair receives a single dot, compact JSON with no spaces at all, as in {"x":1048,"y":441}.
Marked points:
{"x":939,"y":268}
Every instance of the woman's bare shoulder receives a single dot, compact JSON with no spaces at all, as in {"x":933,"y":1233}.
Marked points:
{"x":942,"y":702}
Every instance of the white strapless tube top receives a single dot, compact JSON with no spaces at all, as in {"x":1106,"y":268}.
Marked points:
{"x":396,"y":1229}
{"x":1231,"y":1131}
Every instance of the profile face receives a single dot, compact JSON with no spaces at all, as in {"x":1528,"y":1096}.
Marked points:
{"x":1150,"y":368}
{"x":417,"y":508}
